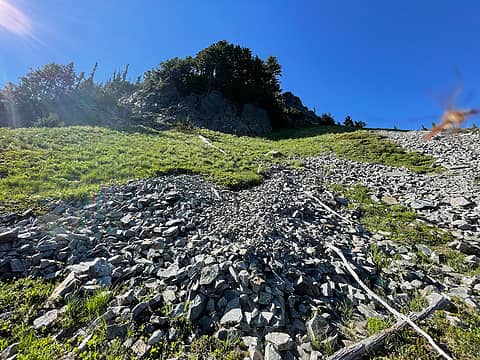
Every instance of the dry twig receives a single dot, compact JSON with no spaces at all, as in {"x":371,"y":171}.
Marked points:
{"x":397,"y":314}
{"x":370,"y":344}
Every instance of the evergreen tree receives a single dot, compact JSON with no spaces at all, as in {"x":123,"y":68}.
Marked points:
{"x":348,"y":121}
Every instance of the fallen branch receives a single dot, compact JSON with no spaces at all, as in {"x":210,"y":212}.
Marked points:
{"x":372,"y":343}
{"x":397,"y":314}
{"x":328,"y":208}
{"x":209,"y":143}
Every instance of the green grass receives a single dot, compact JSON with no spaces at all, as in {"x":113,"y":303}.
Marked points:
{"x":403,"y":225}
{"x":33,"y":346}
{"x":209,"y":347}
{"x":375,"y":325}
{"x":21,"y":299}
{"x":80,"y":311}
{"x":462,"y":342}
{"x":453,"y":258}
{"x":401,"y":222}
{"x":74,"y":162}
{"x":99,"y":347}
{"x":379,"y":258}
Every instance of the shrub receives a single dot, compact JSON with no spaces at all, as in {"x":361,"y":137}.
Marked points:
{"x":348,"y":121}
{"x":56,"y":88}
{"x":52,"y":120}
{"x":359,"y":124}
{"x":326,"y":119}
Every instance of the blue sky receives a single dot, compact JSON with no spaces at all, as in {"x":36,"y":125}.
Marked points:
{"x":376,"y":61}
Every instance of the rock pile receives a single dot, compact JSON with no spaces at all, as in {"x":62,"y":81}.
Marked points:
{"x":252,"y":263}
{"x":249,"y":264}
{"x":450,"y":199}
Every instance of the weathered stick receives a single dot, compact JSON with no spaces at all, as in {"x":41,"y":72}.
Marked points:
{"x":372,"y":343}
{"x":397,"y":314}
{"x":328,"y":208}
{"x":209,"y":143}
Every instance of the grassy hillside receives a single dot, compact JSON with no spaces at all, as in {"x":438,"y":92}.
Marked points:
{"x":75,"y":161}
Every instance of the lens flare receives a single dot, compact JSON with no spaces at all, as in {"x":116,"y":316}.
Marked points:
{"x":14,"y":20}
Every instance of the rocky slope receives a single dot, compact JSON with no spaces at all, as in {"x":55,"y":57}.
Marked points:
{"x":251,"y":264}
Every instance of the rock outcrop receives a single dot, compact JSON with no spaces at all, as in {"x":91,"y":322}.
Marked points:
{"x":212,"y":111}
{"x":297,"y":114}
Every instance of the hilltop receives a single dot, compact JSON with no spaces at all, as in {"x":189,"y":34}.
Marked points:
{"x":191,"y":243}
{"x":202,"y":212}
{"x":224,"y":87}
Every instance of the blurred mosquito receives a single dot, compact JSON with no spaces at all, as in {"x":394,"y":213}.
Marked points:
{"x":453,"y":117}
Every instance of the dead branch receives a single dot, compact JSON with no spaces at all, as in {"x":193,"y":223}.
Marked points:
{"x":328,"y":208}
{"x":398,"y":315}
{"x":372,"y":343}
{"x":209,"y":143}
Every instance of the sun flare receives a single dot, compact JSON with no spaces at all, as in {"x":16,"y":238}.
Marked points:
{"x":14,"y":20}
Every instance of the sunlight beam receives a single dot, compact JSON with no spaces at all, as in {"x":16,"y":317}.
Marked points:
{"x":14,"y":20}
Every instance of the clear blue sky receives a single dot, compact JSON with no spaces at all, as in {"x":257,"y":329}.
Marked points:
{"x":374,"y":60}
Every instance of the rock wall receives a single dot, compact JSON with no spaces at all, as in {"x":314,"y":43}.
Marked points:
{"x":212,"y":111}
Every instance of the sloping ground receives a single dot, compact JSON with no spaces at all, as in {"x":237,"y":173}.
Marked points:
{"x":177,"y":267}
{"x":76,"y":161}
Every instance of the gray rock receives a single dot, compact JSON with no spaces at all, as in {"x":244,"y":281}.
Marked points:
{"x":476,"y":289}
{"x":233,"y":313}
{"x":127,"y":298}
{"x":461,"y":292}
{"x":173,"y":273}
{"x":156,"y":337}
{"x":139,"y":310}
{"x":460,"y":201}
{"x":196,"y":307}
{"x":116,"y":330}
{"x":271,"y":353}
{"x":326,"y":289}
{"x":46,"y":320}
{"x":265,"y":298}
{"x":206,"y":323}
{"x":425,"y":250}
{"x":8,"y":236}
{"x":281,"y":341}
{"x":209,"y":274}
{"x":257,"y":283}
{"x":462,"y":225}
{"x":422,"y":204}
{"x":139,"y":349}
{"x":17,"y":265}
{"x":68,"y":285}
{"x":472,"y":260}
{"x":126,"y":219}
{"x":100,"y":267}
{"x":171,"y":231}
{"x":9,"y":352}
{"x":253,"y":344}
{"x":389,"y":200}
{"x":169,"y":296}
{"x":317,"y":327}
{"x":316,"y":355}
{"x":254,"y":120}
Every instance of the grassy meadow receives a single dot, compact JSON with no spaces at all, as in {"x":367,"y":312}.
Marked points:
{"x":74,"y":162}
